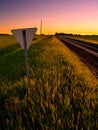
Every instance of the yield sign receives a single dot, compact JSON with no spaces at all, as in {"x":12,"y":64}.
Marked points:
{"x":29,"y":33}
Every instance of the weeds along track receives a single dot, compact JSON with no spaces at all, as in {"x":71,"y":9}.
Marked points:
{"x":87,"y":52}
{"x":90,"y":46}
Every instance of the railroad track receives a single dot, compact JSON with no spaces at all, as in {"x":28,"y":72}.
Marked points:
{"x":87,"y":52}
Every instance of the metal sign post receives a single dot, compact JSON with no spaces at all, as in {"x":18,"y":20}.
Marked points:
{"x":26,"y":59}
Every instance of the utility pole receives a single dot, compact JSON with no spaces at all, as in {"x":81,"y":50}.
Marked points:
{"x":41,"y":28}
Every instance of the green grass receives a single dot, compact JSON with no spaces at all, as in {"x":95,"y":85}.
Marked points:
{"x":86,"y":38}
{"x":6,"y":40}
{"x":63,"y":93}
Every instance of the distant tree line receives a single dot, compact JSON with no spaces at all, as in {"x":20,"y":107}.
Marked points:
{"x":4,"y":34}
{"x":68,"y":34}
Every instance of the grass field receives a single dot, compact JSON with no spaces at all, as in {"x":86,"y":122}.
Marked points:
{"x":6,"y":40}
{"x":63,"y":93}
{"x":86,"y":38}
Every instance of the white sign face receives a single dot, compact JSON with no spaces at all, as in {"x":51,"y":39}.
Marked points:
{"x":18,"y":33}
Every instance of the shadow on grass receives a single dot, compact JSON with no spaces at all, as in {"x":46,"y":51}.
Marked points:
{"x":9,"y":49}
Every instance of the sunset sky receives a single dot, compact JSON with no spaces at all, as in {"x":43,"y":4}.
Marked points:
{"x":68,"y":16}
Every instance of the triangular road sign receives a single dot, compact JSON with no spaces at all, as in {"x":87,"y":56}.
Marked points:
{"x":18,"y":33}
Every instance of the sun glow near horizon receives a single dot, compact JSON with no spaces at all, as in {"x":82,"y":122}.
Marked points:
{"x":49,"y":28}
{"x":75,"y":16}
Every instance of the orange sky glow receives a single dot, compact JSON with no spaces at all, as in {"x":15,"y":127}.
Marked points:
{"x":67,"y":16}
